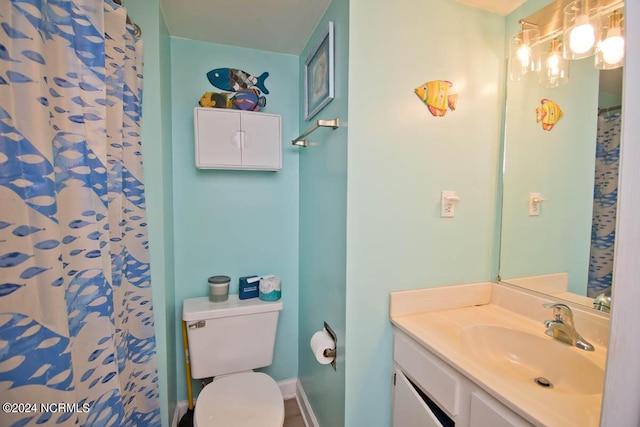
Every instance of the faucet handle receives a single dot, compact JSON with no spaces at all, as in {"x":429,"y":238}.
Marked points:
{"x":561,"y":312}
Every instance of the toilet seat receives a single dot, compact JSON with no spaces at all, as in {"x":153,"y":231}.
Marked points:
{"x":246,"y":399}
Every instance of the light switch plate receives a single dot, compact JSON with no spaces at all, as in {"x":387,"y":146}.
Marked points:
{"x":448,"y":200}
{"x":534,"y":206}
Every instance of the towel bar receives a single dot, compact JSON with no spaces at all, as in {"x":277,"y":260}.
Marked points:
{"x":302,"y":142}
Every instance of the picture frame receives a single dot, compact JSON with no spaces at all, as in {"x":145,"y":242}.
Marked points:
{"x":318,"y":74}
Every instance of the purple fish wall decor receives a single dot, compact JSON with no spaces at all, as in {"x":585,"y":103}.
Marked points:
{"x":248,"y":100}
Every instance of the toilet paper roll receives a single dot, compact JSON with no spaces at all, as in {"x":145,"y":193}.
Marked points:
{"x":319,"y":342}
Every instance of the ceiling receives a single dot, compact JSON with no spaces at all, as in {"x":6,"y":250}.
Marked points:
{"x":502,"y":7}
{"x":282,"y":26}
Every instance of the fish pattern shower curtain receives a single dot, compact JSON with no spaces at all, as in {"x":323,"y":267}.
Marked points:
{"x":77,"y":344}
{"x":605,"y":201}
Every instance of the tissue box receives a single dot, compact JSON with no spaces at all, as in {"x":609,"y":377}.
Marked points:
{"x":249,"y":287}
{"x":270,"y":288}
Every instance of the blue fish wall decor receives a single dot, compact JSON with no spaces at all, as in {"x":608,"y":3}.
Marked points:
{"x":234,"y":80}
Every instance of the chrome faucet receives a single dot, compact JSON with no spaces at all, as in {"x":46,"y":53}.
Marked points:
{"x":563,"y":328}
{"x":603,"y":303}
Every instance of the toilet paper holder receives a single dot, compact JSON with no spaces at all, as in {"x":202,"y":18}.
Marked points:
{"x":331,"y":352}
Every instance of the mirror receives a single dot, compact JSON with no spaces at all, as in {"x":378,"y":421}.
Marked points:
{"x":556,"y":237}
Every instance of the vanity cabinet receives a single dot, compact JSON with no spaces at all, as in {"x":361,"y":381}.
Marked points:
{"x":427,"y":392}
{"x":410,"y":408}
{"x":488,"y":412}
{"x":234,"y":139}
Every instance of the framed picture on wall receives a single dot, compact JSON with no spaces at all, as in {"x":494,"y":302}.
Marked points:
{"x":318,"y":75}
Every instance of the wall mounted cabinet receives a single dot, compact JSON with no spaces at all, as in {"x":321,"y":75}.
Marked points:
{"x":233,"y":139}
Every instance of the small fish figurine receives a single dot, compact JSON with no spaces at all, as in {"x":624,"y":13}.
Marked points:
{"x":548,"y":114}
{"x":435,"y":94}
{"x":215,"y":100}
{"x":234,"y":80}
{"x":248,"y":100}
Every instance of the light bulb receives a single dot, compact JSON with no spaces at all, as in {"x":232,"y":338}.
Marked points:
{"x":554,"y":68}
{"x":613,"y":47}
{"x":524,"y":55}
{"x":552,"y":64}
{"x":582,"y":36}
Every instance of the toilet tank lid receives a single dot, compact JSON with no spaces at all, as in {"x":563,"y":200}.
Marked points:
{"x":201,"y":308}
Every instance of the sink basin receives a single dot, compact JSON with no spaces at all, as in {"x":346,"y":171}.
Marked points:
{"x":526,"y":357}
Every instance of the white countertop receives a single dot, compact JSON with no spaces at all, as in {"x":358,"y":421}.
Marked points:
{"x":439,"y":331}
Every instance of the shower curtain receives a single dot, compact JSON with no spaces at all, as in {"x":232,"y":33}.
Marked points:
{"x":77,"y":344}
{"x":605,"y":198}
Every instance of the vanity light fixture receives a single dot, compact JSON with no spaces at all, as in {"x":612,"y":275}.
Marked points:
{"x":524,"y":58}
{"x":554,"y":70}
{"x":581,"y":28}
{"x":610,"y":51}
{"x":578,"y":29}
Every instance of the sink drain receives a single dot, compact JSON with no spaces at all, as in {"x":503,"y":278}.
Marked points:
{"x":543,"y":382}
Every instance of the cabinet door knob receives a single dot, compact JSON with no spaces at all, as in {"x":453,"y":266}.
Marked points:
{"x":238,"y":139}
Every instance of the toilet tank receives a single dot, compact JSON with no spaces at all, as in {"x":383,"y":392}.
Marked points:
{"x":231,"y":336}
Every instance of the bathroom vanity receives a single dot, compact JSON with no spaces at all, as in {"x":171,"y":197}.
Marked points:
{"x":477,"y":355}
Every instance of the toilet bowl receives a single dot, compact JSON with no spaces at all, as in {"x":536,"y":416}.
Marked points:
{"x":245,"y":399}
{"x":227,"y":340}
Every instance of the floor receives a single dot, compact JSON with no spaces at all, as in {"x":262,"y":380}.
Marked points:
{"x":292,"y":416}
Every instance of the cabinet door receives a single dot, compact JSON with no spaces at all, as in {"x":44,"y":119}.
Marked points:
{"x":262,"y":143}
{"x":218,"y":138}
{"x":409,"y":410}
{"x":488,"y":412}
{"x":429,"y":372}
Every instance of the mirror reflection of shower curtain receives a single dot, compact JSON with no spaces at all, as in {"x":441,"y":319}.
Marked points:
{"x":605,"y":198}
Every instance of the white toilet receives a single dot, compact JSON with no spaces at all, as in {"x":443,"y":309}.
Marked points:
{"x":226,"y":341}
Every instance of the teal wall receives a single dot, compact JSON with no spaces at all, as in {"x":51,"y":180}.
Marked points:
{"x":399,"y":160}
{"x":235,"y":222}
{"x":156,"y":143}
{"x":606,"y":100}
{"x":323,"y":222}
{"x":167,"y":184}
{"x":559,"y":164}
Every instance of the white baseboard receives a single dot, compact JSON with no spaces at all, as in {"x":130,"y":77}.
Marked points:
{"x":305,"y":407}
{"x":289,"y":389}
{"x":181,"y":409}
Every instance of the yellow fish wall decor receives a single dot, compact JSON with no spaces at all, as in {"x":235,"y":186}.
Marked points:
{"x":215,"y":100}
{"x":549,"y":114}
{"x":435,"y":94}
